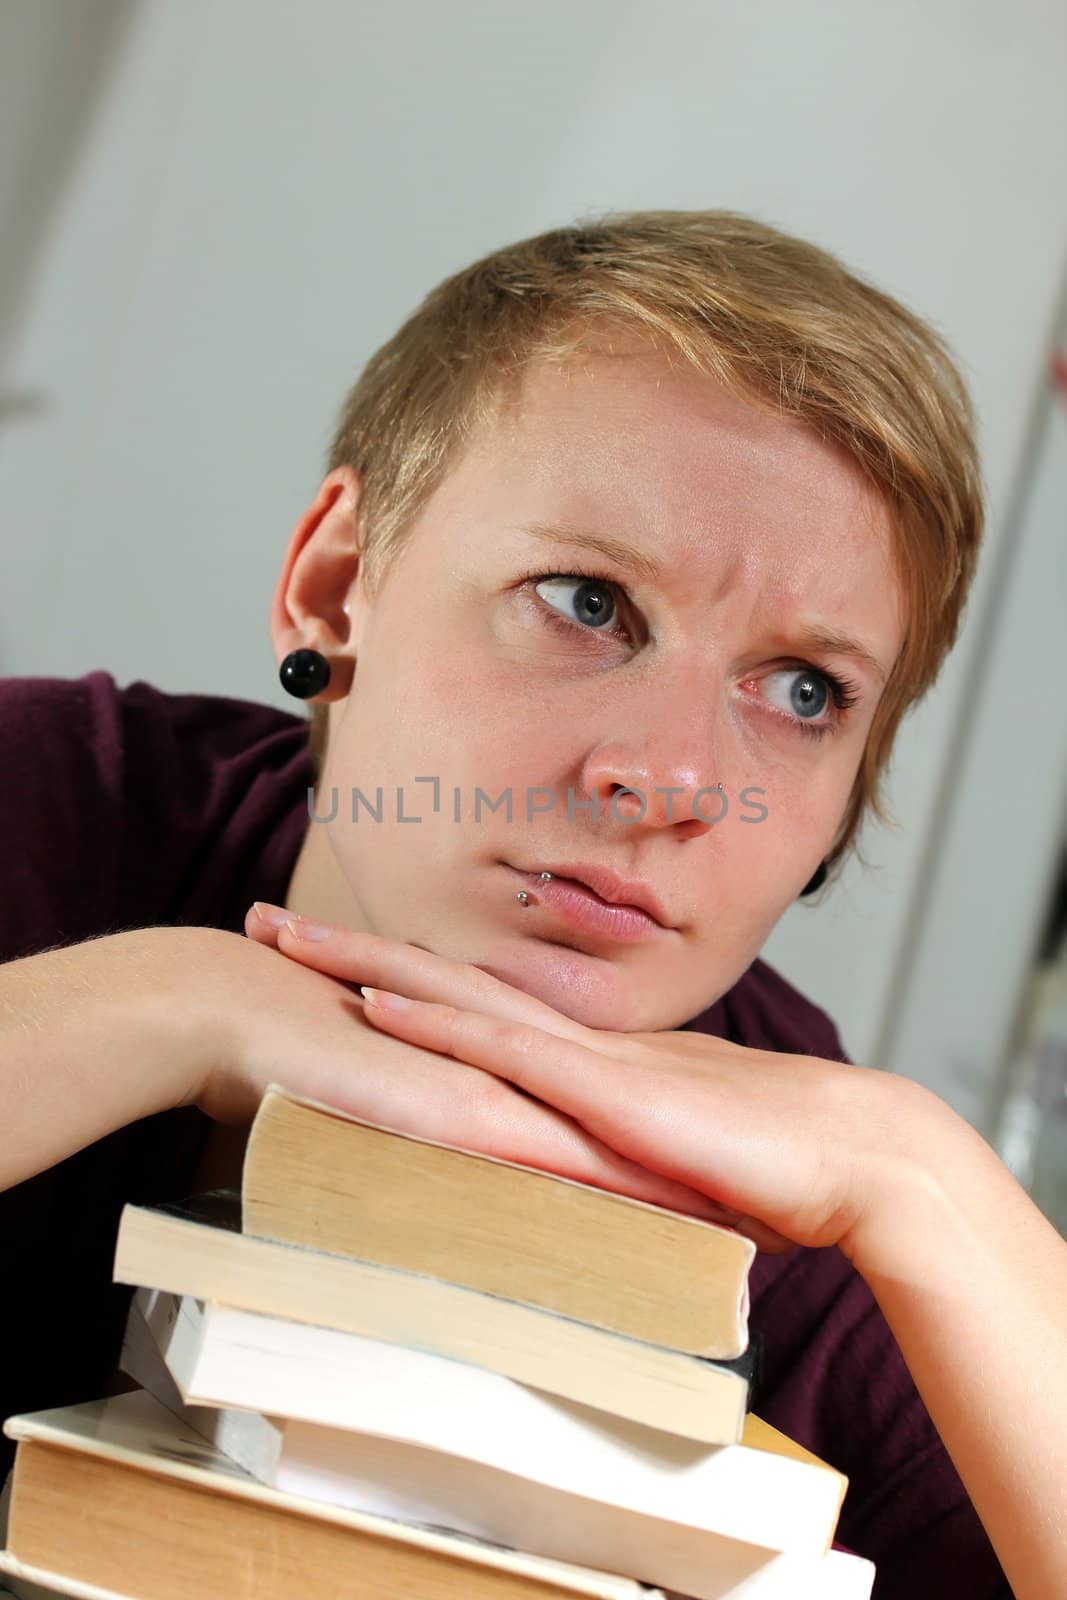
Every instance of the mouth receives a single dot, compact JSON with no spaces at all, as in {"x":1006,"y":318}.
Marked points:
{"x":605,"y":908}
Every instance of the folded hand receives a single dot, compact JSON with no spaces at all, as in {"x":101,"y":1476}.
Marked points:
{"x":791,"y":1148}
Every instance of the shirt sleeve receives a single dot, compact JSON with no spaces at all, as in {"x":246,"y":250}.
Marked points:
{"x":126,"y":807}
{"x":63,"y":805}
{"x":60,"y":811}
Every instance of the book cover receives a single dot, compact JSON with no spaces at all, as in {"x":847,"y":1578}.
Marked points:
{"x":318,"y":1176}
{"x":171,"y":1248}
{"x":135,"y":1431}
{"x":506,"y":1464}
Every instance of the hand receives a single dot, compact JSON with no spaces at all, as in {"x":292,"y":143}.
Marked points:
{"x":793,"y":1149}
{"x":276,"y":1020}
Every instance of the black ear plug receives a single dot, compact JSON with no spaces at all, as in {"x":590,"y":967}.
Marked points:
{"x":304,"y":673}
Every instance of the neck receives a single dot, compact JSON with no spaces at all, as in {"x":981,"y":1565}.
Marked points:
{"x":317,"y":888}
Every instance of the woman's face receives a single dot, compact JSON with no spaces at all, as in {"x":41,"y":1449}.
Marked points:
{"x":479,"y":675}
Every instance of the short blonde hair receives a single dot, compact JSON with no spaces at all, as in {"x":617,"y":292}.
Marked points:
{"x":775,"y":318}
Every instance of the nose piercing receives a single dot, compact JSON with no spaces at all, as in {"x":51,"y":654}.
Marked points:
{"x":523,"y":897}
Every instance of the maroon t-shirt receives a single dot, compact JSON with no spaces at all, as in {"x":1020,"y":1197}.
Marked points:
{"x":130,"y":807}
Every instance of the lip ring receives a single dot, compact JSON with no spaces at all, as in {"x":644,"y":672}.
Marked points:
{"x":608,"y":886}
{"x":573,"y":901}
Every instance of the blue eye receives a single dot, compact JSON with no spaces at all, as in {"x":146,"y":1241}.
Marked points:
{"x":594,"y":600}
{"x":815,"y":686}
{"x":596,"y":605}
{"x":809,"y":694}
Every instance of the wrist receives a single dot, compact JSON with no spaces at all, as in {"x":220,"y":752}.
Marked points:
{"x":188,"y":982}
{"x":228,"y":997}
{"x":909,"y":1188}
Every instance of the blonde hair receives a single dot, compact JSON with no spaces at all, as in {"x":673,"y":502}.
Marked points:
{"x":773,"y":317}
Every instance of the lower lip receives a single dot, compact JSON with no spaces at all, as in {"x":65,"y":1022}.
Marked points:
{"x":583,"y":909}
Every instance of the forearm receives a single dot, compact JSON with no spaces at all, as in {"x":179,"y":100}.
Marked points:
{"x":93,"y":1037}
{"x":972,"y":1280}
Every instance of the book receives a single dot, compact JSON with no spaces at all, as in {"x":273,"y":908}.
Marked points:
{"x":417,"y":1439}
{"x":121,"y":1497}
{"x":319,"y":1177}
{"x":196,"y":1248}
{"x":839,"y":1575}
{"x":244,"y":1363}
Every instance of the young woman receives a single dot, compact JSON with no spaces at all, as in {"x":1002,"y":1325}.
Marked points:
{"x":636,"y":543}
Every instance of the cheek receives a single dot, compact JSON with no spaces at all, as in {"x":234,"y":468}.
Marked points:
{"x":484,"y":718}
{"x":803,"y":811}
{"x":808,"y":778}
{"x":809,"y":815}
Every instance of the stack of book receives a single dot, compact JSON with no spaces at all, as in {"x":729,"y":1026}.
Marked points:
{"x":391,"y":1368}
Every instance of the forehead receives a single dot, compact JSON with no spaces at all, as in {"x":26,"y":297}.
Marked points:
{"x":733,"y":494}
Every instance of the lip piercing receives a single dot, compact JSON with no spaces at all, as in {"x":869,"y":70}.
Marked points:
{"x":523,"y":897}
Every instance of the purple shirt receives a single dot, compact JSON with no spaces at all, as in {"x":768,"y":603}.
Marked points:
{"x":130,"y":807}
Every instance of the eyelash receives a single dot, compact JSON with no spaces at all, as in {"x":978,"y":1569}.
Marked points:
{"x":843,"y":691}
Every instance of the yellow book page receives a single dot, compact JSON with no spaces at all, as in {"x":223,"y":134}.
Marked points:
{"x":759,"y":1435}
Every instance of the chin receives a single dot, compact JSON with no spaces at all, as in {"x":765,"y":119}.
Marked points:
{"x":584,"y":988}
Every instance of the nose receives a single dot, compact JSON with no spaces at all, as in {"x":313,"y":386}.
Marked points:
{"x":663,"y":772}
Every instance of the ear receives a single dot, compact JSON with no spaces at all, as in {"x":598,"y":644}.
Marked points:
{"x":309,"y":609}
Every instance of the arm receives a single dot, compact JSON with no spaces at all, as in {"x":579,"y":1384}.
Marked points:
{"x":100,"y":1034}
{"x":95,"y":1036}
{"x":972,"y":1280}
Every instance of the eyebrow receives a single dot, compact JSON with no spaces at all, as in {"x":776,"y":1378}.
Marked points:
{"x":829,"y":640}
{"x":625,"y":555}
{"x":840,"y":644}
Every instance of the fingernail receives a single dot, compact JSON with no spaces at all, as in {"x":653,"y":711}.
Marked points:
{"x":314,"y":932}
{"x":386,"y":999}
{"x":273,"y":916}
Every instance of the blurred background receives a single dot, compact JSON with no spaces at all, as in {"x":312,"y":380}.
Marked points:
{"x":213,"y":211}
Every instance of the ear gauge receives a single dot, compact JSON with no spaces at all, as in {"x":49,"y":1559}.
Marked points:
{"x":816,"y":881}
{"x":304,"y":673}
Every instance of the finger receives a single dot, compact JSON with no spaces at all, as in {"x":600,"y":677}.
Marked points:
{"x":368,"y":958}
{"x":258,"y":926}
{"x":563,"y":1072}
{"x":578,"y":1081}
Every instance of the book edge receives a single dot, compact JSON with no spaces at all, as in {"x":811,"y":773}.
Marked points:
{"x":185,"y":1358}
{"x":161,"y":1216}
{"x":56,"y":1582}
{"x":784,"y":1465}
{"x":237,"y":1481}
{"x":278,"y":1091}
